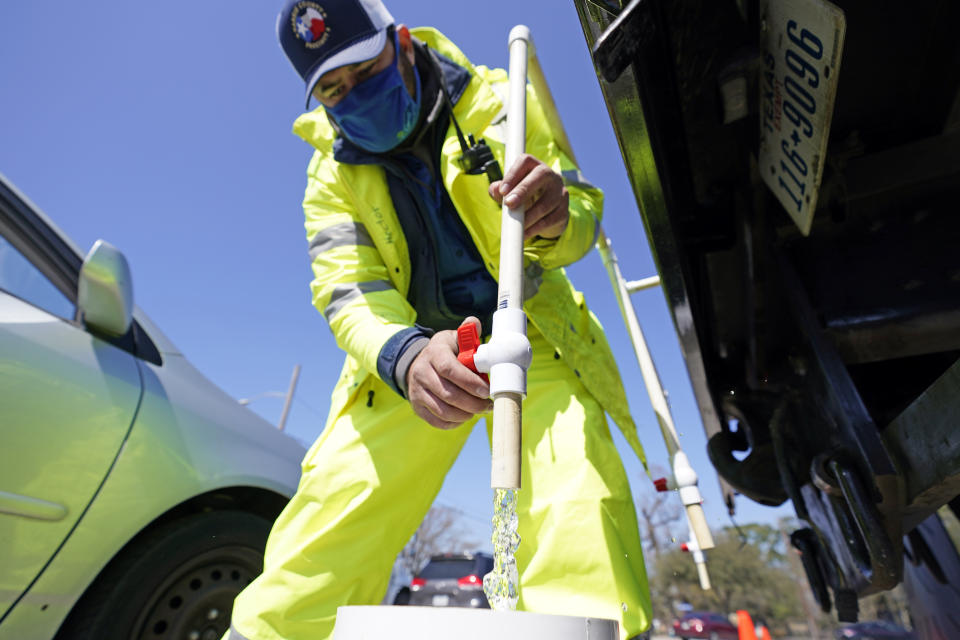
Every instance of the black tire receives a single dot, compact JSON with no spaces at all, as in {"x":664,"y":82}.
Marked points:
{"x":176,"y":582}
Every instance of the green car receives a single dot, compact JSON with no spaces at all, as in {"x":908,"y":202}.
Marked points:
{"x":135,"y":495}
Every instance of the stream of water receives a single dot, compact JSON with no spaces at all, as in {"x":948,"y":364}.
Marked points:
{"x":501,"y":584}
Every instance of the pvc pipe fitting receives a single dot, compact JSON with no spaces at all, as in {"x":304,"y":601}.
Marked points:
{"x":691,"y":546}
{"x":522,"y":32}
{"x":685,"y":479}
{"x":507,"y":356}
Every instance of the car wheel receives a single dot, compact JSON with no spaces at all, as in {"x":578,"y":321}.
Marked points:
{"x":177,"y":582}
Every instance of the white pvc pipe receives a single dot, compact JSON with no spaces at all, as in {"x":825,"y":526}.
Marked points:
{"x":685,"y":478}
{"x":639,"y":285}
{"x":510,"y":293}
{"x":650,"y":377}
{"x":508,"y":383}
{"x":699,"y":559}
{"x":702,"y":572}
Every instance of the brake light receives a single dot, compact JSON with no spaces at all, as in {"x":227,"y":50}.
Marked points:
{"x":416,"y":583}
{"x":469,"y":581}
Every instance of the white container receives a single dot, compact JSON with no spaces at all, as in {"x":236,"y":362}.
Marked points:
{"x":435,"y":623}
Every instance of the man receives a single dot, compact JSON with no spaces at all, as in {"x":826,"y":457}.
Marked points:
{"x":404,"y":246}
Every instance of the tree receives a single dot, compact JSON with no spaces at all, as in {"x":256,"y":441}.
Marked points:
{"x":892,"y":605}
{"x":817,"y":620}
{"x":441,"y":531}
{"x":767,"y":540}
{"x":746,"y":573}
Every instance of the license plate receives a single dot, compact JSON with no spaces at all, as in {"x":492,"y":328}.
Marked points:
{"x":441,"y":600}
{"x":801,"y":42}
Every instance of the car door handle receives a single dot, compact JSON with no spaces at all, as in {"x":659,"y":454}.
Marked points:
{"x":18,"y":505}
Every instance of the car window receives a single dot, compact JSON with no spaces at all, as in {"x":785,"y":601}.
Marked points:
{"x":447,"y":569}
{"x":18,"y":276}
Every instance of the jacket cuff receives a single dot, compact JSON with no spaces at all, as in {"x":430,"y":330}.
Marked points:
{"x":398,"y":353}
{"x":405,"y":360}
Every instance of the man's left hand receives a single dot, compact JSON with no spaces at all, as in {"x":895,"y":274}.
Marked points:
{"x":538,"y":190}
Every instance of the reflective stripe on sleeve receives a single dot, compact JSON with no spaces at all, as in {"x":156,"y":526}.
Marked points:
{"x":339,"y":235}
{"x":344,"y":293}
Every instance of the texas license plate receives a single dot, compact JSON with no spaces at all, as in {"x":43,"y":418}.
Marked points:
{"x":801,"y":42}
{"x":441,"y":600}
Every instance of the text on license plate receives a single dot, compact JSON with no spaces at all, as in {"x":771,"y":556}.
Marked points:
{"x":441,"y":600}
{"x":801,"y":42}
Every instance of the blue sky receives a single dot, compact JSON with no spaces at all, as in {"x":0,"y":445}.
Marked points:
{"x":164,"y":128}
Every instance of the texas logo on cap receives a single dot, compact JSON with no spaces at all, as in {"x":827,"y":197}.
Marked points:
{"x":308,"y":20}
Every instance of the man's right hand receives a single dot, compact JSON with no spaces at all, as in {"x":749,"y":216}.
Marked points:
{"x":441,"y":390}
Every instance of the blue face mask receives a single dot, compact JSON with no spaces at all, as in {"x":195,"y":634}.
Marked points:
{"x":378,"y":114}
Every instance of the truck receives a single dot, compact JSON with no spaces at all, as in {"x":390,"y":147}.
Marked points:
{"x":796,"y":164}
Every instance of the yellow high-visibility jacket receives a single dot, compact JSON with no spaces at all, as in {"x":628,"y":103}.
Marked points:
{"x":362,"y":274}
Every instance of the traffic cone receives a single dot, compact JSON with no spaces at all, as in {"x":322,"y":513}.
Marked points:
{"x":764,"y":634}
{"x":745,"y":628}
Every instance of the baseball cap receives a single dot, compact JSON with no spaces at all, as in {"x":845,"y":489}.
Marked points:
{"x":321,"y":35}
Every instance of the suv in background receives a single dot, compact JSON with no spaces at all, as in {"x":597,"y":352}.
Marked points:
{"x":704,"y":624}
{"x":452,"y":580}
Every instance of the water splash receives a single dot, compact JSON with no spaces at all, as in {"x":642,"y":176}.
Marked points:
{"x":502,"y":584}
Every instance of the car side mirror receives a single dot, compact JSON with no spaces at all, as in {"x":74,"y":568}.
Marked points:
{"x":105,"y":292}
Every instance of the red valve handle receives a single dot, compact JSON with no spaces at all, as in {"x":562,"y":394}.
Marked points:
{"x":468,"y":339}
{"x":661,"y":484}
